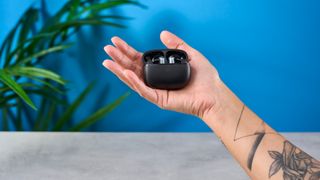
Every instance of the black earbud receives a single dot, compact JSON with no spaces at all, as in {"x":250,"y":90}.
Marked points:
{"x":175,"y":59}
{"x":166,"y":68}
{"x":158,"y":59}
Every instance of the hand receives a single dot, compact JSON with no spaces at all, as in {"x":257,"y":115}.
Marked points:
{"x":197,"y":98}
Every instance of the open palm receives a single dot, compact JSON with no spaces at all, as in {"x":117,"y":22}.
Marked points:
{"x":199,"y":96}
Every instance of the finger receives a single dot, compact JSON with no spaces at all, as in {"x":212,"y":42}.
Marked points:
{"x":140,"y":87}
{"x":118,"y":71}
{"x":117,"y":56}
{"x":126,"y":49}
{"x":122,"y":59}
{"x":174,"y":42}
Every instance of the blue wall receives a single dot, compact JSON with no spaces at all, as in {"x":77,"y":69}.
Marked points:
{"x":268,"y":52}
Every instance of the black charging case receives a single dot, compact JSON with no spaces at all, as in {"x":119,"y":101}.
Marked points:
{"x":166,"y":68}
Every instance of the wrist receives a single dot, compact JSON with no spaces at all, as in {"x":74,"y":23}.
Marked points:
{"x":225,"y":111}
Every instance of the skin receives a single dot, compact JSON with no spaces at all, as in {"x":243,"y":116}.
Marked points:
{"x":253,"y":143}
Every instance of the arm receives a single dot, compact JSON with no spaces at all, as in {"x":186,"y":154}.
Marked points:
{"x":260,"y":150}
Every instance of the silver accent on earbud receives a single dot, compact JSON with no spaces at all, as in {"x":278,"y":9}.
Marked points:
{"x":174,"y":59}
{"x":162,"y":60}
{"x":171,"y":60}
{"x":158,"y":60}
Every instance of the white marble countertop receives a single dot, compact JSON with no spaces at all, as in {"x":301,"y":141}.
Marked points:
{"x":124,"y":156}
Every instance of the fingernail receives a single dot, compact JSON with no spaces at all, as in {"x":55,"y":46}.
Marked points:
{"x":113,"y":38}
{"x":104,"y":63}
{"x":107,"y":47}
{"x":166,"y":31}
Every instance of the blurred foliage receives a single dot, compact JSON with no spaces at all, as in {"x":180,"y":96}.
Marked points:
{"x":22,"y":78}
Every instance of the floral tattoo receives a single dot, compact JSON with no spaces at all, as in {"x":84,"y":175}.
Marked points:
{"x":295,"y":164}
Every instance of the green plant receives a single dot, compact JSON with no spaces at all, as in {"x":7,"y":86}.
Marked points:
{"x":22,"y":76}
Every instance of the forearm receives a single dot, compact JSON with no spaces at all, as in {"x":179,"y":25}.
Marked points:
{"x":261,"y":151}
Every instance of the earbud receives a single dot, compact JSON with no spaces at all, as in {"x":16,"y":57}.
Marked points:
{"x":158,"y":59}
{"x":174,"y":59}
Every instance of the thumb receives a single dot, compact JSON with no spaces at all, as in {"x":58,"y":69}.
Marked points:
{"x":174,"y":42}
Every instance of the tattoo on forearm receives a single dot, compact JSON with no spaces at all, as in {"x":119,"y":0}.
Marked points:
{"x":260,"y":132}
{"x":235,"y":138}
{"x":254,"y":149}
{"x":295,"y":164}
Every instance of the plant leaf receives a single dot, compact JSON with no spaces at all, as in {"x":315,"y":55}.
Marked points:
{"x":44,"y":92}
{"x":36,"y":72}
{"x":40,"y":115}
{"x":42,"y":53}
{"x":46,"y":121}
{"x":19,"y":116}
{"x":33,"y":85}
{"x":28,"y":21}
{"x":93,"y":118}
{"x":66,"y":116}
{"x":6,"y":79}
{"x":110,"y":4}
{"x":83,"y":22}
{"x":56,"y":18}
{"x":45,"y":83}
{"x":110,"y":17}
{"x":20,"y":47}
{"x":6,"y":45}
{"x":72,"y":12}
{"x":5,"y":120}
{"x":4,"y":105}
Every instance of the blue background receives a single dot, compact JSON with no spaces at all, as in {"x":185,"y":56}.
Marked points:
{"x":267,"y":52}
